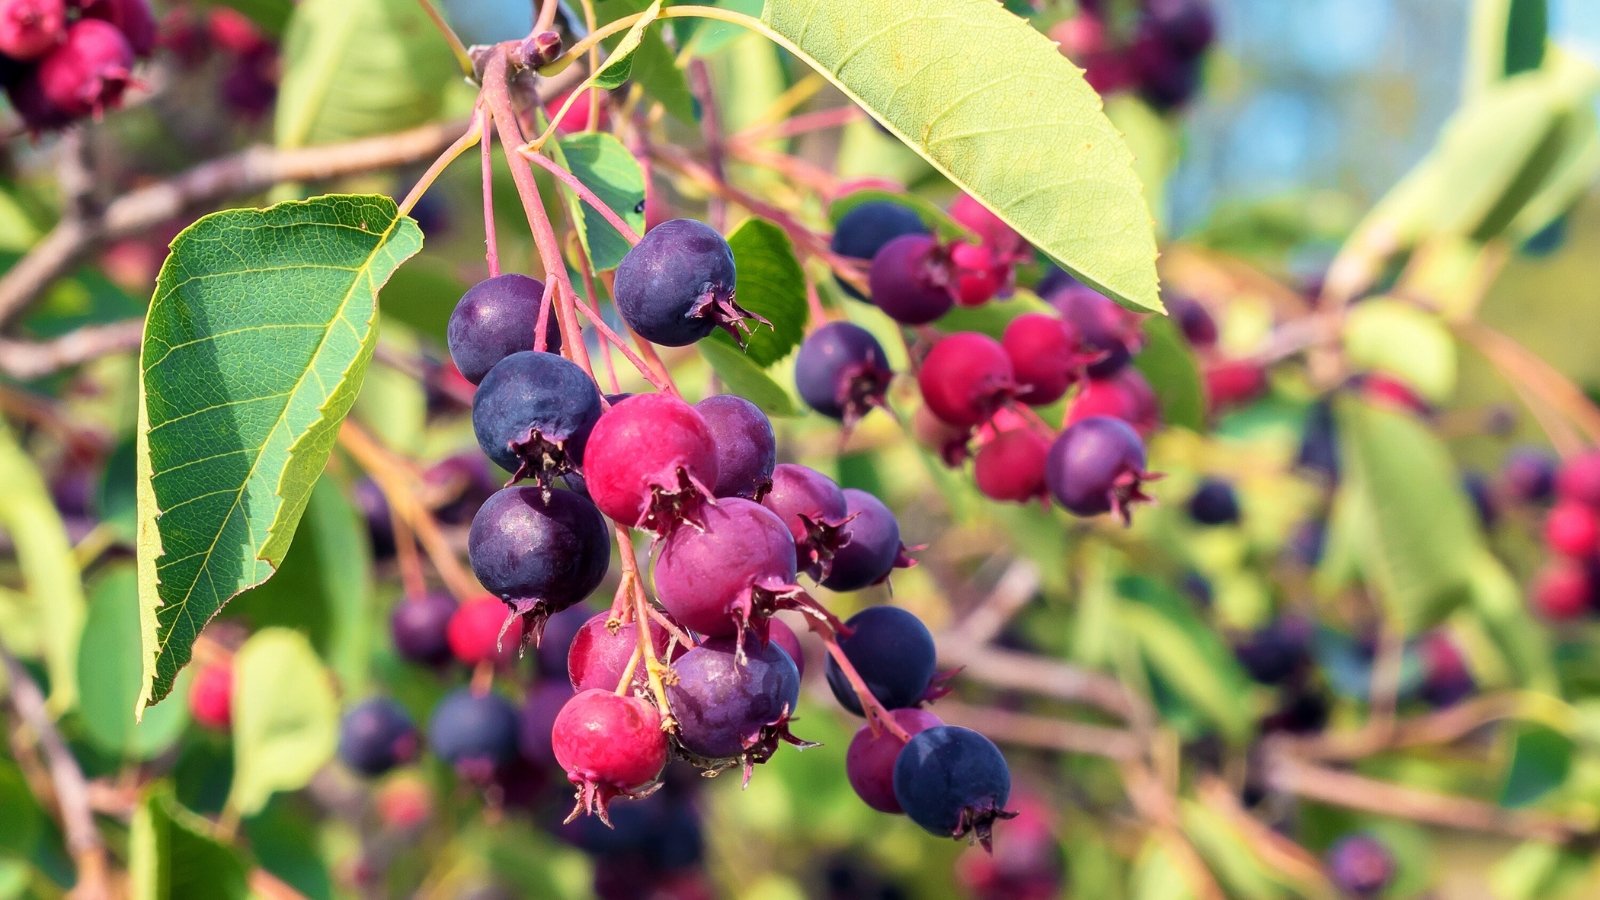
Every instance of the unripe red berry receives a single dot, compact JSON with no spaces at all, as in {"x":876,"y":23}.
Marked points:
{"x":966,"y":377}
{"x":1573,"y":530}
{"x":979,"y":276}
{"x":133,"y":18}
{"x":1579,"y":479}
{"x":1004,"y":245}
{"x":1126,"y":396}
{"x":1564,"y":591}
{"x":869,"y":762}
{"x":30,"y":28}
{"x":483,"y":630}
{"x":1046,"y":356}
{"x":84,"y":76}
{"x":1234,"y":382}
{"x":599,"y":653}
{"x":1011,"y":466}
{"x":609,"y":746}
{"x":234,"y":32}
{"x":1386,"y":390}
{"x":211,"y":696}
{"x":650,"y":462}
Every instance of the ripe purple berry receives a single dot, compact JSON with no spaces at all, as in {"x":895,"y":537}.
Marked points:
{"x":1097,"y":466}
{"x":894,"y":654}
{"x":538,"y":553}
{"x":871,"y":547}
{"x":537,"y":717}
{"x":1195,"y":321}
{"x":1103,"y":326}
{"x":731,"y":711}
{"x":30,"y":28}
{"x":1529,"y":475}
{"x":869,"y":763}
{"x":651,"y":462}
{"x":375,"y":736}
{"x":1277,"y":651}
{"x":599,"y":653}
{"x":533,"y":413}
{"x":418,"y":627}
{"x":1361,"y":865}
{"x":495,"y":318}
{"x":730,"y":573}
{"x":953,"y":781}
{"x":842,"y":371}
{"x":910,"y":280}
{"x":1214,"y":502}
{"x":747,"y":449}
{"x":677,"y":285}
{"x":609,"y":746}
{"x":475,"y":733}
{"x":966,"y":378}
{"x":865,"y":229}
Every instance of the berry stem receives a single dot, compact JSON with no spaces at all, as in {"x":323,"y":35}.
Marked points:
{"x":406,"y":557}
{"x":816,"y":120}
{"x":627,"y":673}
{"x":590,"y":22}
{"x":491,"y":243}
{"x":646,"y":649}
{"x":471,"y":136}
{"x":578,"y":187}
{"x":547,"y":16}
{"x":877,"y":716}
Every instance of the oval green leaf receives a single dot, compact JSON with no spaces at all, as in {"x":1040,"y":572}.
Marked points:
{"x":606,"y":167}
{"x":108,"y":674}
{"x":743,"y":377}
{"x":285,"y":718}
{"x":174,"y":853}
{"x":771,"y":285}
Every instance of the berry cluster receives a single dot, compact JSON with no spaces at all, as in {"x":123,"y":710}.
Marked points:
{"x":247,"y":82}
{"x":1569,"y":586}
{"x":1159,"y":56}
{"x":65,"y":60}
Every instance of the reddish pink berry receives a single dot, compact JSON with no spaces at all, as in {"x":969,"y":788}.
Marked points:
{"x":1046,"y":356}
{"x":30,"y":28}
{"x":483,"y":630}
{"x":85,"y":75}
{"x":609,"y":746}
{"x":1028,"y":864}
{"x":966,"y":378}
{"x":1235,"y":382}
{"x":1386,"y":390}
{"x":1572,"y":529}
{"x":577,"y":118}
{"x":403,"y":803}
{"x":869,"y":763}
{"x":729,"y":573}
{"x":1126,"y":396}
{"x":979,"y":276}
{"x":1081,"y":37}
{"x":133,"y":18}
{"x":651,"y":462}
{"x":1011,"y":466}
{"x":599,"y":654}
{"x":1005,"y":246}
{"x":211,"y":696}
{"x":1564,"y":591}
{"x":234,"y":32}
{"x":1579,"y":479}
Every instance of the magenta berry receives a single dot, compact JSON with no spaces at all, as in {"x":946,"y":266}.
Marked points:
{"x":814,"y":510}
{"x":975,"y":274}
{"x":1000,"y":239}
{"x":133,"y":18}
{"x":84,"y":75}
{"x":781,"y":634}
{"x":1579,"y":479}
{"x":1198,"y":328}
{"x":677,"y":285}
{"x":495,"y":318}
{"x":871,"y":547}
{"x":1045,"y":355}
{"x":601,"y":650}
{"x":894,"y":654}
{"x":1565,"y":590}
{"x":30,"y":28}
{"x":651,"y":462}
{"x":418,"y":627}
{"x":480,"y":631}
{"x":953,"y":781}
{"x":1097,"y":466}
{"x":609,"y":746}
{"x":731,"y":572}
{"x":375,"y":736}
{"x":842,"y":372}
{"x":966,"y":378}
{"x":747,"y":449}
{"x":539,"y":553}
{"x":1361,"y":865}
{"x":1572,"y":529}
{"x":910,"y":280}
{"x":533,"y":413}
{"x":1125,"y":395}
{"x":869,"y":763}
{"x":733,"y":703}
{"x":1011,"y":466}
{"x":211,"y":696}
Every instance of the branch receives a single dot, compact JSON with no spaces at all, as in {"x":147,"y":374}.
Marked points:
{"x":1011,"y":670}
{"x":27,"y":360}
{"x":1045,"y":733}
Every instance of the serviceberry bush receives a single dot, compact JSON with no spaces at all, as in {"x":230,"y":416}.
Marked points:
{"x":841,"y":463}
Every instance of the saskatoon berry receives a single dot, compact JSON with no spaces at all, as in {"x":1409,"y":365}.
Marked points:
{"x":677,"y":285}
{"x":842,"y":372}
{"x":1277,"y":651}
{"x":1361,"y":865}
{"x":374,"y":509}
{"x":418,"y":627}
{"x":894,"y":654}
{"x":871,"y":548}
{"x":814,"y":509}
{"x":481,"y":631}
{"x":1125,"y":395}
{"x":1392,"y":393}
{"x":778,"y":632}
{"x":1185,"y":27}
{"x":1104,"y":327}
{"x":651,"y":462}
{"x":540,"y":553}
{"x":1198,"y":328}
{"x":1572,"y":529}
{"x":1319,"y":443}
{"x":211,"y":696}
{"x":1011,"y":466}
{"x":533,"y":414}
{"x":999,"y":238}
{"x":1097,"y":466}
{"x":869,"y":763}
{"x":1477,"y":489}
{"x":1214,"y":502}
{"x":1232,"y":383}
{"x":495,"y":318}
{"x":746,"y":447}
{"x":537,"y":716}
{"x":975,"y":274}
{"x":731,"y":710}
{"x":375,"y":736}
{"x":1166,"y":80}
{"x":1579,"y":479}
{"x":133,"y":18}
{"x":1529,"y":475}
{"x":475,"y":733}
{"x":609,"y":746}
{"x":1045,"y":357}
{"x":559,"y":632}
{"x":866,"y":228}
{"x":599,"y":654}
{"x":463,"y":483}
{"x":30,"y":28}
{"x":966,"y":378}
{"x":85,"y":75}
{"x":1565,"y":590}
{"x":953,"y":781}
{"x":729,"y":573}
{"x":941,"y":437}
{"x":1446,"y":680}
{"x":910,"y":280}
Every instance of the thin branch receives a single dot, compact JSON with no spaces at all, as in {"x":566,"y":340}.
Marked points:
{"x":27,"y":360}
{"x":1045,"y":733}
{"x":711,"y":132}
{"x":584,"y":193}
{"x":1036,"y":675}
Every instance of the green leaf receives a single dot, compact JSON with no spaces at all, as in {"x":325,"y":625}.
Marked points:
{"x":745,"y":378}
{"x":117,"y":496}
{"x":260,"y":330}
{"x":50,"y":573}
{"x":285,"y":717}
{"x":1417,"y":533}
{"x":606,"y":167}
{"x":932,"y":215}
{"x":1167,"y":363}
{"x":618,"y":65}
{"x":1401,"y":339}
{"x":1027,"y":138}
{"x":1507,"y":37}
{"x":109,"y":669}
{"x":173,"y":853}
{"x":422,"y":294}
{"x":991,"y":318}
{"x":771,"y":285}
{"x":1540,"y":760}
{"x":1499,"y":602}
{"x":1188,"y":655}
{"x":393,"y":403}
{"x":356,"y":68}
{"x":1536,"y":870}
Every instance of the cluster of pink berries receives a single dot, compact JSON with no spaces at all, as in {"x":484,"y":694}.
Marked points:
{"x":1159,"y":57}
{"x":66,"y":60}
{"x":249,"y":58}
{"x":1569,"y":586}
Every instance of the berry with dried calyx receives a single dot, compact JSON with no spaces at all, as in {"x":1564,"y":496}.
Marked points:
{"x":869,"y":761}
{"x":867,"y":227}
{"x":747,"y":450}
{"x":533,"y":414}
{"x":538,"y":552}
{"x":85,"y":75}
{"x":1097,"y":466}
{"x":814,"y":509}
{"x":1046,"y":356}
{"x":842,"y":372}
{"x":966,"y":378}
{"x":953,"y":781}
{"x":31,"y":28}
{"x":600,"y":653}
{"x":910,"y":280}
{"x":733,"y":702}
{"x":871,"y":547}
{"x":894,"y":654}
{"x":650,"y":463}
{"x":677,"y":285}
{"x":1011,"y":466}
{"x":609,"y":746}
{"x":730,"y":572}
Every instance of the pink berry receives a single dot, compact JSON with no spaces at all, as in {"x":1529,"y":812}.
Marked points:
{"x":1004,"y":245}
{"x":1564,"y":591}
{"x":1011,"y":466}
{"x":482,"y":630}
{"x":779,"y":632}
{"x":599,"y":654}
{"x":729,"y":573}
{"x":1046,"y":356}
{"x":1126,"y":396}
{"x":1231,"y":383}
{"x":609,"y":746}
{"x":1572,"y":530}
{"x":133,"y":18}
{"x":1386,"y":390}
{"x":211,"y":696}
{"x":978,"y":275}
{"x":869,"y":763}
{"x":30,"y":28}
{"x":651,"y":462}
{"x":234,"y":32}
{"x":966,"y":378}
{"x":1579,"y":479}
{"x":84,"y":76}
{"x":813,"y":508}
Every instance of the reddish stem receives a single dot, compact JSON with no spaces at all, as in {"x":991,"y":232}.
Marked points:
{"x":877,"y":716}
{"x":491,"y":243}
{"x":583,"y":192}
{"x":815,"y":120}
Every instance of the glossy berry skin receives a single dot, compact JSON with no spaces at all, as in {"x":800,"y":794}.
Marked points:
{"x":966,"y":378}
{"x":651,"y":461}
{"x":84,"y":75}
{"x":1277,"y":651}
{"x":871,"y":548}
{"x":730,"y":573}
{"x":482,"y":630}
{"x":474,"y":733}
{"x":1361,"y":866}
{"x":1572,"y":529}
{"x":894,"y":654}
{"x":1214,"y":502}
{"x":418,"y":625}
{"x":731,"y":710}
{"x":747,"y":450}
{"x":910,"y":280}
{"x":1565,"y":590}
{"x":866,"y":228}
{"x":609,"y":746}
{"x":1579,"y":479}
{"x":599,"y":654}
{"x":842,"y":372}
{"x":1046,"y":358}
{"x":211,"y":696}
{"x":869,"y":762}
{"x":953,"y":782}
{"x":538,"y":553}
{"x":813,"y":508}
{"x":1529,"y":475}
{"x":375,"y":736}
{"x":533,"y":414}
{"x":495,"y":318}
{"x":1010,"y":467}
{"x":677,"y":284}
{"x":30,"y":28}
{"x":1097,"y":466}
{"x":976,"y":277}
{"x":1125,"y":395}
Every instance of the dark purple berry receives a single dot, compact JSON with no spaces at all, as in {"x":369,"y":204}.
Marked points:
{"x":869,"y":763}
{"x":537,"y":716}
{"x":1214,"y":502}
{"x":651,"y":463}
{"x":1097,"y":466}
{"x":459,"y":485}
{"x":475,"y":733}
{"x":1477,"y":489}
{"x":538,"y":553}
{"x":871,"y":547}
{"x":495,"y":318}
{"x":894,"y":654}
{"x":746,"y":447}
{"x":533,"y":414}
{"x":1446,"y":680}
{"x":953,"y":781}
{"x":418,"y":626}
{"x":910,"y":280}
{"x":1277,"y":651}
{"x":814,"y":509}
{"x":866,"y":228}
{"x":1104,"y":327}
{"x":600,"y":654}
{"x":842,"y":371}
{"x":1185,"y":27}
{"x":731,"y":711}
{"x":1529,"y":475}
{"x":374,"y":509}
{"x":729,"y":573}
{"x":377,"y":735}
{"x":1319,"y":443}
{"x":1198,"y":328}
{"x":1361,"y":865}
{"x":677,"y":285}
{"x":966,"y":378}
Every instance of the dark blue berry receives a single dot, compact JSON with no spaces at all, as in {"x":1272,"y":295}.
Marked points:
{"x":1319,"y":443}
{"x":863,"y":231}
{"x":677,"y":284}
{"x":747,"y":450}
{"x":842,"y":371}
{"x":1276,"y":651}
{"x":894,"y":654}
{"x":418,"y":625}
{"x":475,"y":733}
{"x":377,"y":735}
{"x":533,"y":414}
{"x":871,"y":547}
{"x":1482,"y":497}
{"x":1529,"y":475}
{"x":494,"y":319}
{"x":953,"y":781}
{"x":539,"y":553}
{"x":1214,"y":502}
